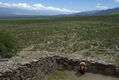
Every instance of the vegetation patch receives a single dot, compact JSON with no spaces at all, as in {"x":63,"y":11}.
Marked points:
{"x":89,"y":36}
{"x":62,"y":75}
{"x":8,"y":45}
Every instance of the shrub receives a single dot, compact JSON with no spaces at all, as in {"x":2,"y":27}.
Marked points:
{"x":8,"y":45}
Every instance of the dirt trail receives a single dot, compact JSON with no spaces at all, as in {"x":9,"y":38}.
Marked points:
{"x":71,"y":75}
{"x":92,"y":76}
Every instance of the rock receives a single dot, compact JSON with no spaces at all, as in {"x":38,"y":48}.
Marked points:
{"x":117,"y":70}
{"x":4,"y":60}
{"x":38,"y":68}
{"x":30,"y":70}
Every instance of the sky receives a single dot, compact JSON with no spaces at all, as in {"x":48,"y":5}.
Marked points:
{"x":65,"y":6}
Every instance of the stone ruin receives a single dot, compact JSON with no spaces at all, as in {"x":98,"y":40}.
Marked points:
{"x":39,"y":68}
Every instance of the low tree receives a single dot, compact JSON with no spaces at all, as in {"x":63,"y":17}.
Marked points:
{"x":8,"y":45}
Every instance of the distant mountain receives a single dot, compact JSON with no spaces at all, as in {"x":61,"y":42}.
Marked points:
{"x":16,"y":13}
{"x":116,"y":12}
{"x":98,"y":12}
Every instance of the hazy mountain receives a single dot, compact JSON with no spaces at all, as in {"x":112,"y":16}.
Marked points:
{"x":98,"y":12}
{"x":15,"y":12}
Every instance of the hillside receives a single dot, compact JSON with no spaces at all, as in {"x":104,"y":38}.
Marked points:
{"x":89,"y":36}
{"x":99,"y":12}
{"x":96,"y":12}
{"x":116,"y":13}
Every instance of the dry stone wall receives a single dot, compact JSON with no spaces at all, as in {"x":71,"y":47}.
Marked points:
{"x":38,"y":68}
{"x":34,"y":70}
{"x":94,"y":67}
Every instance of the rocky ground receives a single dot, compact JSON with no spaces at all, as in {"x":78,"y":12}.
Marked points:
{"x":28,"y":54}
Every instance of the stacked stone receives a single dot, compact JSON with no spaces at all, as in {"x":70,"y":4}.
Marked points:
{"x":39,"y":68}
{"x":34,"y":70}
{"x":95,"y":67}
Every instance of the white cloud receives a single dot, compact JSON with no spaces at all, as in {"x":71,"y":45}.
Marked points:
{"x":101,"y":6}
{"x":35,"y":7}
{"x":21,"y":13}
{"x":19,"y":5}
{"x":116,"y":0}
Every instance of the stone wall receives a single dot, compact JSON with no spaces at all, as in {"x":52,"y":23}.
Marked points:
{"x":94,"y":67}
{"x":33,"y":70}
{"x":38,"y":68}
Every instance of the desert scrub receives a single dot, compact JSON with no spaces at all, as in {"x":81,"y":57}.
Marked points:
{"x":8,"y":45}
{"x":67,"y":34}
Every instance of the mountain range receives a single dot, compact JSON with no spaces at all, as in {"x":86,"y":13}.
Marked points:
{"x":15,"y":12}
{"x":99,"y":12}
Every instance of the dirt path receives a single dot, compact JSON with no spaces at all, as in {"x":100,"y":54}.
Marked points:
{"x":70,"y":75}
{"x":91,"y":76}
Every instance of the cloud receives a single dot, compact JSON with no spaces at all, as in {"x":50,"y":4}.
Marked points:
{"x":101,"y":6}
{"x":116,"y":0}
{"x":36,"y":7}
{"x":21,"y":13}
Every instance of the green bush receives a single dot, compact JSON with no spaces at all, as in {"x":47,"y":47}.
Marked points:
{"x":8,"y":45}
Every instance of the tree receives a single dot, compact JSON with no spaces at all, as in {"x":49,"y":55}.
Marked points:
{"x":8,"y":45}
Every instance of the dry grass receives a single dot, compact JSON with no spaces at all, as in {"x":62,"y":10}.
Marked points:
{"x":70,"y":75}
